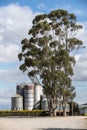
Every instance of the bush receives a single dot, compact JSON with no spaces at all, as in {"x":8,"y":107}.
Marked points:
{"x":23,"y":113}
{"x":85,"y":114}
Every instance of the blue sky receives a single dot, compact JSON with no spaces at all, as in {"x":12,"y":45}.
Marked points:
{"x":15,"y":21}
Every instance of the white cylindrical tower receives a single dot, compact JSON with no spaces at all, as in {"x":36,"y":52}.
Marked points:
{"x":37,"y":95}
{"x":28,"y":97}
{"x":19,"y":89}
{"x":17,"y":102}
{"x":44,"y":104}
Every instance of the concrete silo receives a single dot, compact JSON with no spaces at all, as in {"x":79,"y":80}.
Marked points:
{"x":17,"y":102}
{"x":28,"y":97}
{"x":20,"y":89}
{"x":44,"y":103}
{"x":37,"y":93}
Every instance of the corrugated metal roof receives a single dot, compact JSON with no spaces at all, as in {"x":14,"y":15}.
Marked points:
{"x":17,"y":95}
{"x":83,"y":106}
{"x":30,"y":87}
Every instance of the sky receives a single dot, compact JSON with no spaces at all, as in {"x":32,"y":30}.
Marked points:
{"x":15,"y":21}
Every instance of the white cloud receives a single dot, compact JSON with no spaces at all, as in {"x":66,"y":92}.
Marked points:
{"x":13,"y":76}
{"x":41,"y":6}
{"x":5,"y":97}
{"x":78,"y":12}
{"x":80,"y":69}
{"x":82,"y":34}
{"x":4,"y":102}
{"x":1,"y":38}
{"x":15,"y":22}
{"x":9,"y":52}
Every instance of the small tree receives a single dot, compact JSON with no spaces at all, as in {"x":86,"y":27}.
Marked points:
{"x":48,"y":53}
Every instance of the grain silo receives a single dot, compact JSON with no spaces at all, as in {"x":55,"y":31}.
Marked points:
{"x":44,"y":103}
{"x":28,"y":97}
{"x":37,"y":93}
{"x":17,"y":102}
{"x":20,"y":89}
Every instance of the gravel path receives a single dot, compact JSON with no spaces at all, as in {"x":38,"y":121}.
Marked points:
{"x":44,"y":123}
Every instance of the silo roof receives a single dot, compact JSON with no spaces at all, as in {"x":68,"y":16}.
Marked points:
{"x":17,"y":95}
{"x":30,"y":87}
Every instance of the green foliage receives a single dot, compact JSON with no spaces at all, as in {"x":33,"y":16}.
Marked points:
{"x":39,"y":18}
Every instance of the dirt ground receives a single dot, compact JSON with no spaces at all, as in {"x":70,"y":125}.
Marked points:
{"x":44,"y":123}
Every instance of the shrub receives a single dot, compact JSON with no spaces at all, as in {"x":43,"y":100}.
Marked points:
{"x":85,"y":114}
{"x":23,"y":113}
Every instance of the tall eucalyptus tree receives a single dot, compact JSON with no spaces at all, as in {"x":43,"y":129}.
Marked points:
{"x":48,"y":53}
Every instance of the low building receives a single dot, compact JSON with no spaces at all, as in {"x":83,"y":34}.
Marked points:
{"x":83,"y":109}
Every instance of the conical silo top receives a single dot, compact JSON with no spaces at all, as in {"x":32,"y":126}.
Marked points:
{"x":17,"y":95}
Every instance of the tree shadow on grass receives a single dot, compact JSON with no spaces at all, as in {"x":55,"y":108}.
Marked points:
{"x":60,"y":129}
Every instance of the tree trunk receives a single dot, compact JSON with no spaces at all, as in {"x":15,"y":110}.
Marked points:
{"x":52,"y":106}
{"x":64,"y":111}
{"x":55,"y":113}
{"x":59,"y":111}
{"x":52,"y":112}
{"x":59,"y":107}
{"x":72,"y":107}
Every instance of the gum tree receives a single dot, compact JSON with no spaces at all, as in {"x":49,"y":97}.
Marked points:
{"x":48,"y":53}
